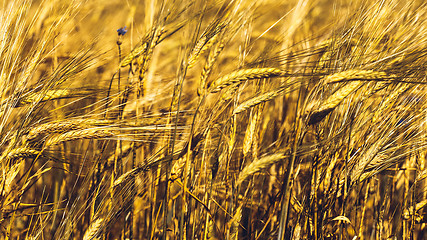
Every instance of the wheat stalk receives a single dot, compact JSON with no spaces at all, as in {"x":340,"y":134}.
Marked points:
{"x":150,"y":40}
{"x":22,"y":153}
{"x":57,"y":127}
{"x":94,"y":229}
{"x":234,"y":224}
{"x":410,"y":211}
{"x":144,"y":45}
{"x":355,"y":74}
{"x":354,"y":79}
{"x":243,"y":75}
{"x":78,"y":134}
{"x":208,"y":38}
{"x":47,"y":96}
{"x":206,"y":71}
{"x":250,"y":132}
{"x":262,"y":98}
{"x":387,"y":103}
{"x":259,"y":165}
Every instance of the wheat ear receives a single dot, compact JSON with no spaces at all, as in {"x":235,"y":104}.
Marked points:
{"x":208,"y":38}
{"x":22,"y":153}
{"x":259,"y":165}
{"x":94,"y":229}
{"x":265,"y":97}
{"x":57,"y":127}
{"x":354,"y":81}
{"x":78,"y":134}
{"x":243,"y":75}
{"x":207,"y":69}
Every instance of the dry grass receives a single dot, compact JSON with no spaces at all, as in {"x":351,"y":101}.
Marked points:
{"x":301,"y":119}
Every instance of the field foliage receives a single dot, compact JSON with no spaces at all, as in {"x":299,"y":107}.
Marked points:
{"x":212,"y":119}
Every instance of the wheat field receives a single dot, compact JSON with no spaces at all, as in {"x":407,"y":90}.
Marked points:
{"x":213,"y":119}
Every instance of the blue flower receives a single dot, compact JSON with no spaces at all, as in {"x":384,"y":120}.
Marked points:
{"x":122,"y":31}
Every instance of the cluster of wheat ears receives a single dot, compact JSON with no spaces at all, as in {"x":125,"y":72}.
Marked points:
{"x":217,"y":119}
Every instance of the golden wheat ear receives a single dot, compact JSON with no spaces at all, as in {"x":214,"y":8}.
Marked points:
{"x":354,"y":80}
{"x":243,"y":75}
